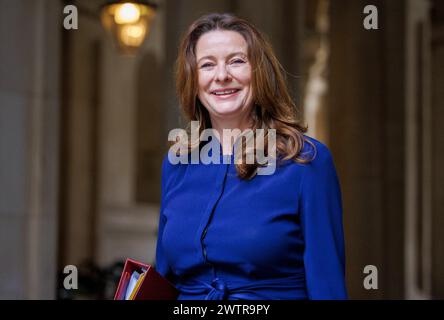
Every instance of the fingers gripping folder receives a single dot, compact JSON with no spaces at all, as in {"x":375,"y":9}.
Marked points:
{"x":141,"y":281}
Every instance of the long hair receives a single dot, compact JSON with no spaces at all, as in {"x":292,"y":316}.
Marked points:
{"x":273,"y":106}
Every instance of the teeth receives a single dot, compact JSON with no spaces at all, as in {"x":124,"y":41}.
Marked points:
{"x":225,"y":92}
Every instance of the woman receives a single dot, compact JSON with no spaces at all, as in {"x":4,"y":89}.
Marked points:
{"x":226,"y":232}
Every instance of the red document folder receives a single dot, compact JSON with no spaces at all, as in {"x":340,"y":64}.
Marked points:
{"x":153,"y":286}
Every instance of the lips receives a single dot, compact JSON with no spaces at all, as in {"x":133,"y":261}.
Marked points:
{"x":225,"y":92}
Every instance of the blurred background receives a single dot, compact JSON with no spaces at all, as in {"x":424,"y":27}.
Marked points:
{"x":84,"y":124}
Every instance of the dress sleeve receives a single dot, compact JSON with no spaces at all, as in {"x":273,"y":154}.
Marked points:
{"x":162,"y":265}
{"x":321,"y":218}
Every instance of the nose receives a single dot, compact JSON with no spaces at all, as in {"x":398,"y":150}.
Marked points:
{"x":222,"y":73}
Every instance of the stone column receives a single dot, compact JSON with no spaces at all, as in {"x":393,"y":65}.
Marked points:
{"x":29,"y":111}
{"x":366,"y":128}
{"x":437,"y":72}
{"x":418,"y":172}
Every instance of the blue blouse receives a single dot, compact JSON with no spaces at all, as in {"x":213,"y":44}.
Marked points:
{"x":276,"y":236}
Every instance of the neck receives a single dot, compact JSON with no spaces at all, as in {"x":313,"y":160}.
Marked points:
{"x":230,"y":124}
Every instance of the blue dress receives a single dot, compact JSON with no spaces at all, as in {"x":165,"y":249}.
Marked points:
{"x":276,"y":236}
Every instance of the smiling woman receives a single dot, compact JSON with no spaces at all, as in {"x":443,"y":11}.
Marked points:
{"x":224,"y":76}
{"x":266,"y":101}
{"x":225,"y":231}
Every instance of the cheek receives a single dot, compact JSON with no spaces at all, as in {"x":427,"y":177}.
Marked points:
{"x":204,"y":81}
{"x":243,"y":75}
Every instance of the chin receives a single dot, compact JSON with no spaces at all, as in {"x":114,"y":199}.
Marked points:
{"x":228,"y":107}
{"x":227,"y":110}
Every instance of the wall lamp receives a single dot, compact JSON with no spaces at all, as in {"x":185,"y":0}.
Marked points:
{"x":128,"y":22}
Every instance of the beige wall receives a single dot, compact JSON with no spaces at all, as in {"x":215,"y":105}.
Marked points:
{"x":107,"y":96}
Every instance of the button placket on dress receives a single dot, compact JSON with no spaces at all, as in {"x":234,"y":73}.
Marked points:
{"x":206,"y":219}
{"x":218,"y":289}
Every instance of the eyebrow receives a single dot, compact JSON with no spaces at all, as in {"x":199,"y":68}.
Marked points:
{"x":229,"y":56}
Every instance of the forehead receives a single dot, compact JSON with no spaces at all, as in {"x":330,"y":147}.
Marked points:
{"x":220,"y":43}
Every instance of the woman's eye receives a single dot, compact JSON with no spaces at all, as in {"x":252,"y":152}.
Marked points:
{"x":206,"y":65}
{"x":236,"y":61}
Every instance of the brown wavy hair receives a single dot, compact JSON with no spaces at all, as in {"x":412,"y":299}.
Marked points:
{"x":273,"y":106}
